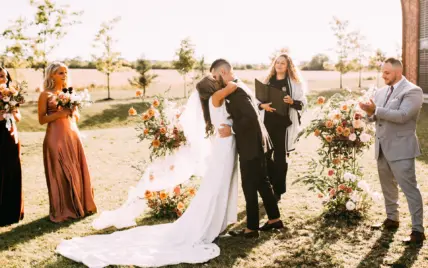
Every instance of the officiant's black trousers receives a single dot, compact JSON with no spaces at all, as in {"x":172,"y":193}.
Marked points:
{"x":277,"y":165}
{"x":254,"y":179}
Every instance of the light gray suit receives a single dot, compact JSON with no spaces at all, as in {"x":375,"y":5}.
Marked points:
{"x":397,"y":147}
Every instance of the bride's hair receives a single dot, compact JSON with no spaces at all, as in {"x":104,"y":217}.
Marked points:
{"x":206,"y":88}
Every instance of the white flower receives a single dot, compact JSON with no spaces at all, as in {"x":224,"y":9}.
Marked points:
{"x":358,"y":124}
{"x":352,"y":137}
{"x":75,"y":98}
{"x":13,"y":103}
{"x":364,"y":185}
{"x":354,"y":197}
{"x":350,"y":205}
{"x":6,"y":107}
{"x":349,"y":177}
{"x":364,"y":137}
{"x":6,"y":98}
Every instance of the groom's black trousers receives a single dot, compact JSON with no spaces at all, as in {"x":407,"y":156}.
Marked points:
{"x":254,"y":179}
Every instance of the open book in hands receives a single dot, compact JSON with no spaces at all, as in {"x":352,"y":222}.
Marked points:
{"x":269,"y":94}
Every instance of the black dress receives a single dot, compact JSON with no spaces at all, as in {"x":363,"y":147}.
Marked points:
{"x":276,"y":126}
{"x":11,"y":199}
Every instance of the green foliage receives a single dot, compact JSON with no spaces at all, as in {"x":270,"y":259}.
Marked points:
{"x":109,"y":61}
{"x":185,"y":62}
{"x":19,"y":49}
{"x":375,"y":62}
{"x":144,"y":80}
{"x":317,"y":63}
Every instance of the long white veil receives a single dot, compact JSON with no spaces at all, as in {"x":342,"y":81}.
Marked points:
{"x":167,"y":172}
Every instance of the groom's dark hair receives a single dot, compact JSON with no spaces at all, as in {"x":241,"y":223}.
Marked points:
{"x":218,"y":62}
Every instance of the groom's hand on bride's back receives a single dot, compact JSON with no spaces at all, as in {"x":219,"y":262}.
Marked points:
{"x":225,"y":131}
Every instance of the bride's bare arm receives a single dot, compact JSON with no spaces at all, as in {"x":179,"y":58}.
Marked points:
{"x":219,"y":96}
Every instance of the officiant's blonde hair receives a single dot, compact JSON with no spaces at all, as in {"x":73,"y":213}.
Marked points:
{"x":291,"y":69}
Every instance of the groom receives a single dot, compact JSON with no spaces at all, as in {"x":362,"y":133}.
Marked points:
{"x":252,"y":142}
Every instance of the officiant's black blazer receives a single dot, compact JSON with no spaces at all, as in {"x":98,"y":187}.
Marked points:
{"x":245,"y":125}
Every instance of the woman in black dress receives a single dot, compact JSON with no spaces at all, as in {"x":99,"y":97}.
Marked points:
{"x":11,"y":200}
{"x":283,"y":129}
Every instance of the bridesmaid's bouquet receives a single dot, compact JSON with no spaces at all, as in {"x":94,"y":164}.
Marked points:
{"x":70,"y":99}
{"x":11,"y":97}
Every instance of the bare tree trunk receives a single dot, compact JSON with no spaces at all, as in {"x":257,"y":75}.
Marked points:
{"x":359,"y":79}
{"x":108,"y":85}
{"x":341,"y":80}
{"x":185,"y":91}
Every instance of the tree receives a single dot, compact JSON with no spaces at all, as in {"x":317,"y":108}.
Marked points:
{"x":109,"y":61}
{"x":51,"y":22}
{"x":185,"y":61}
{"x":317,"y":63}
{"x":360,"y":48}
{"x":277,"y":52}
{"x":143,"y":81}
{"x":343,"y":46}
{"x":375,"y":62}
{"x":18,"y":51}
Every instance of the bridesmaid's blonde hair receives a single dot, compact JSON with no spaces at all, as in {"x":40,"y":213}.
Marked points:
{"x":49,"y":83}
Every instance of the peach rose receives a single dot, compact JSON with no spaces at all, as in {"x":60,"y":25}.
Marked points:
{"x":348,"y":190}
{"x":156,"y":103}
{"x":156,"y":143}
{"x":320,"y":100}
{"x":131,"y":111}
{"x":180,"y":206}
{"x":171,"y":167}
{"x":344,"y":107}
{"x":148,"y":194}
{"x":138,"y":92}
{"x":336,"y":161}
{"x":342,"y":187}
{"x":339,"y":130}
{"x":145,"y":117}
{"x":179,"y":213}
{"x":146,"y":131}
{"x":192,"y":191}
{"x":332,"y":192}
{"x":346,"y":132}
{"x":328,"y":138}
{"x":357,"y":123}
{"x":329,"y":124}
{"x":177,"y":190}
{"x":151,"y":112}
{"x":320,"y":195}
{"x":317,"y":132}
{"x":162,"y":130}
{"x":163,"y":195}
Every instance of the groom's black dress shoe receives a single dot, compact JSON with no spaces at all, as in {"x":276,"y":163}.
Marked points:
{"x":242,"y":233}
{"x":270,"y":226}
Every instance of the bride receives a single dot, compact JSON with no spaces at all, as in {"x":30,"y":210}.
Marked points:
{"x":190,"y":238}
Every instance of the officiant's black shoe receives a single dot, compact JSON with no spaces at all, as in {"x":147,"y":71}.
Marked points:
{"x":242,"y":233}
{"x":270,"y":226}
{"x":387,"y":224}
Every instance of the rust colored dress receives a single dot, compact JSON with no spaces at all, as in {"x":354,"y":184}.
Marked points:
{"x":11,"y":199}
{"x":69,"y":183}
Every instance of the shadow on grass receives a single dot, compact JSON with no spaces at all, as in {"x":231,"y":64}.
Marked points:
{"x":29,"y":231}
{"x":408,"y":257}
{"x":378,"y":251}
{"x":116,"y":113}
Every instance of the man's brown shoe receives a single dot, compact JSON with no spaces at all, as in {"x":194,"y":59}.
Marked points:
{"x":415,"y":238}
{"x":387,"y":224}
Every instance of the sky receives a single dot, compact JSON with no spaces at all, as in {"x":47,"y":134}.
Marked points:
{"x":242,"y":31}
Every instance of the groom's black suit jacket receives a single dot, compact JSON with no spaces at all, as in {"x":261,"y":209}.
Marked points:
{"x":245,"y":125}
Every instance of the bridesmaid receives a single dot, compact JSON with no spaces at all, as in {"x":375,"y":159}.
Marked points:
{"x":67,"y":175}
{"x":11,"y":199}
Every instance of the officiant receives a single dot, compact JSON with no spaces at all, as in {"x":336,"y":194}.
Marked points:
{"x":283,"y":128}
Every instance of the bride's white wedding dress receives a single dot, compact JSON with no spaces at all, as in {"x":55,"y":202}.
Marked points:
{"x":187,"y":240}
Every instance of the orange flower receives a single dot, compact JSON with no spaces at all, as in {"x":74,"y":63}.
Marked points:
{"x":320,"y":195}
{"x":145,"y":117}
{"x":151,"y":112}
{"x":148,"y":194}
{"x":337,"y":116}
{"x":171,"y":167}
{"x":156,"y":143}
{"x":329,"y":124}
{"x":132,"y":111}
{"x":192,"y":191}
{"x":179,"y":213}
{"x":348,"y":190}
{"x":339,"y":130}
{"x":320,"y":100}
{"x":346,"y":132}
{"x":138,"y":92}
{"x":146,"y":131}
{"x":342,"y":187}
{"x":336,"y":161}
{"x":177,"y":190}
{"x":344,"y":107}
{"x":163,"y":195}
{"x":317,"y":132}
{"x":180,"y":206}
{"x":156,"y":103}
{"x":162,"y":130}
{"x":328,"y":138}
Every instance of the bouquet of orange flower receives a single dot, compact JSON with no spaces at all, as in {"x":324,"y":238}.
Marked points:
{"x":160,"y":125}
{"x":172,"y":204}
{"x":69,"y":99}
{"x":12,"y":97}
{"x":344,"y":136}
